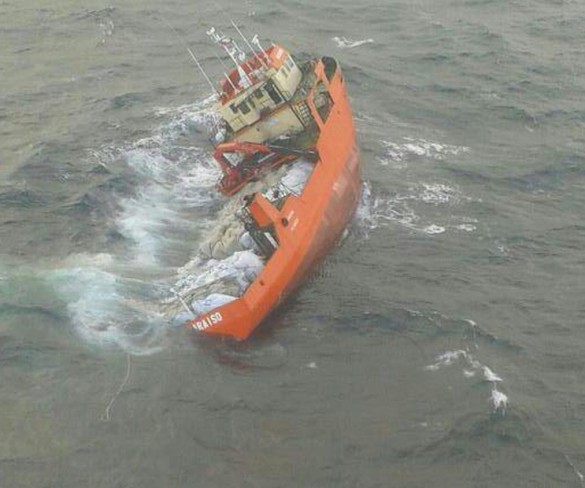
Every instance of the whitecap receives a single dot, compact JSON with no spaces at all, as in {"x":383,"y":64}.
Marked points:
{"x":375,"y":210}
{"x":466,"y":227}
{"x":438,"y":194}
{"x":499,"y":400}
{"x":171,"y":186}
{"x":103,"y":312}
{"x":106,"y":300}
{"x":400,"y":151}
{"x":447,"y":358}
{"x":490,"y":376}
{"x":434,"y":229}
{"x":344,"y":43}
{"x":470,"y":369}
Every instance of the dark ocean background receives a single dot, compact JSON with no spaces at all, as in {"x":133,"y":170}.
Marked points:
{"x":441,"y":344}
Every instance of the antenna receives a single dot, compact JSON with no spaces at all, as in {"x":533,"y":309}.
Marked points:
{"x":192,"y":56}
{"x":234,"y":25}
{"x":256,"y":42}
{"x":225,"y":72}
{"x":247,"y":43}
{"x":234,"y":52}
{"x":256,"y":55}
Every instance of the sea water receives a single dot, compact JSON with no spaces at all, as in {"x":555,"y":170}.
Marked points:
{"x":440,"y":344}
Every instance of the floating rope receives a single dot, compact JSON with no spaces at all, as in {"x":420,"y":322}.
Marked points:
{"x":106,"y":415}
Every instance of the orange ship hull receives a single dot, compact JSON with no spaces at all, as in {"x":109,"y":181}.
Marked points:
{"x":307,"y":226}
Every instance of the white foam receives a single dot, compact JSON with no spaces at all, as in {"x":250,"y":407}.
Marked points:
{"x":433,"y":229}
{"x":446,"y":359}
{"x":502,"y":249}
{"x":196,"y":186}
{"x":438,"y":194}
{"x":471,"y":367}
{"x":466,"y":227}
{"x":107,"y":304}
{"x":189,"y":111}
{"x":374,"y":211}
{"x":402,"y":208}
{"x":148,"y":162}
{"x":171,"y":185}
{"x":400,"y":151}
{"x":107,"y":30}
{"x":101,"y":314}
{"x":577,"y":472}
{"x":490,"y":376}
{"x":499,"y":400}
{"x":344,"y":43}
{"x":143,"y":220}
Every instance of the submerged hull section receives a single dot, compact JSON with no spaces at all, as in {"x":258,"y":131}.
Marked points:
{"x":306,"y":226}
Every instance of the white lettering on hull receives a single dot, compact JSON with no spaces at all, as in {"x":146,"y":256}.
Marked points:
{"x":205,"y":322}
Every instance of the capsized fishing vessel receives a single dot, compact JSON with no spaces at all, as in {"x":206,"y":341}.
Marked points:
{"x":286,"y":146}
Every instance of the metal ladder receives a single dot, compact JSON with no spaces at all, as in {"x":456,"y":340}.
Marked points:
{"x":304,"y":113}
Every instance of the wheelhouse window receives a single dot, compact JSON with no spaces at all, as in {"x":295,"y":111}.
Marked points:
{"x":244,"y":108}
{"x":273,"y":94}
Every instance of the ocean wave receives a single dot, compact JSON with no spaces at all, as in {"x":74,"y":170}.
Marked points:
{"x":377,"y":209}
{"x":19,"y":195}
{"x":164,"y":203}
{"x":472,"y":368}
{"x":344,"y":43}
{"x":113,"y":299}
{"x":174,"y":180}
{"x":104,"y":310}
{"x":416,"y":147}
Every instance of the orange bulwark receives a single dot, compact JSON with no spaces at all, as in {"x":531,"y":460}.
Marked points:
{"x":306,"y":226}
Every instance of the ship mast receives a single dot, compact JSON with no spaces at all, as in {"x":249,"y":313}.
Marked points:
{"x":259,"y":58}
{"x":234,"y":52}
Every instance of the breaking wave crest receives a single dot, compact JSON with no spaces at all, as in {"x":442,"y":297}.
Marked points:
{"x":472,"y":368}
{"x":378,"y":209}
{"x":410,"y":148}
{"x":107,"y":308}
{"x":113,"y":299}
{"x":344,"y":43}
{"x":418,"y":205}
